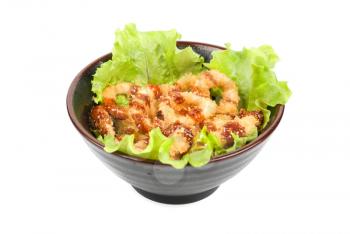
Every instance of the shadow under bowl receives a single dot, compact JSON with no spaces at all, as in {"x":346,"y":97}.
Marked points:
{"x":156,"y":181}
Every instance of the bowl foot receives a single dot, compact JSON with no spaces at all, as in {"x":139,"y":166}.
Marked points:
{"x":175,"y":199}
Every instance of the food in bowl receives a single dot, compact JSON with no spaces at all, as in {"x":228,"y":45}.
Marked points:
{"x":158,"y":102}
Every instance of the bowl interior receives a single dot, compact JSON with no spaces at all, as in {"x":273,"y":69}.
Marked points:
{"x":79,"y":98}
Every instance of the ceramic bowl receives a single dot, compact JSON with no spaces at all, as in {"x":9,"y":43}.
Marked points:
{"x":163,"y":183}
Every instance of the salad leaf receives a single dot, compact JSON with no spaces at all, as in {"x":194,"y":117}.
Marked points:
{"x":103,"y":76}
{"x":238,"y":142}
{"x":241,"y":141}
{"x":159,"y":148}
{"x":145,"y":58}
{"x":198,"y":156}
{"x":164,"y":155}
{"x":122,"y":100}
{"x":251,"y":69}
{"x":201,"y":151}
{"x":126,"y":145}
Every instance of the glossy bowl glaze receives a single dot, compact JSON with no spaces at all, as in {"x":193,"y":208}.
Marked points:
{"x":153,"y":180}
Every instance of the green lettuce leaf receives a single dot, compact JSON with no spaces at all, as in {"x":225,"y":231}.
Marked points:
{"x":126,"y":145}
{"x":201,"y":150}
{"x":205,"y":145}
{"x":145,"y":58}
{"x":122,"y":100}
{"x":164,"y":155}
{"x":241,"y":141}
{"x":238,"y":142}
{"x":198,"y":156}
{"x":252,"y":70}
{"x":103,"y":76}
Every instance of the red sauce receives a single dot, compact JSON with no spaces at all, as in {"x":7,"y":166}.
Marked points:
{"x":114,"y":110}
{"x":129,"y":130}
{"x":188,"y":134}
{"x":144,"y":98}
{"x":134,"y":89}
{"x":183,"y":111}
{"x":141,"y":123}
{"x":232,"y":127}
{"x":156,"y":90}
{"x":211,"y":127}
{"x":257,"y":114}
{"x":177,"y":97}
{"x":119,"y":137}
{"x":194,"y":112}
{"x":137,"y":105}
{"x":171,"y":129}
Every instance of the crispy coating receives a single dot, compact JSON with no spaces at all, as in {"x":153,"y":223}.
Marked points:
{"x":207,"y":80}
{"x":101,"y":120}
{"x":179,"y":110}
{"x":222,"y":126}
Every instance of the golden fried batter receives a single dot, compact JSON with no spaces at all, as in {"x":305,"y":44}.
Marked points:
{"x":179,"y":110}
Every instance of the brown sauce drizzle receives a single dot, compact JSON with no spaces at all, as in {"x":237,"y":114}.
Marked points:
{"x":232,"y":127}
{"x":156,"y":90}
{"x":177,"y":97}
{"x":137,"y":105}
{"x":134,"y":89}
{"x":141,"y":123}
{"x":114,"y":110}
{"x":256,"y":114}
{"x":211,"y":127}
{"x":194,"y":112}
{"x":188,"y":134}
{"x":144,"y":98}
{"x":171,"y":128}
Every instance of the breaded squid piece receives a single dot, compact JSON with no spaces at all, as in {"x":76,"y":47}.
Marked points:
{"x":182,"y":135}
{"x":202,"y":83}
{"x":101,"y":120}
{"x":243,"y":125}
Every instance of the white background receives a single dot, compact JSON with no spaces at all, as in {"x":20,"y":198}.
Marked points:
{"x":51,"y":183}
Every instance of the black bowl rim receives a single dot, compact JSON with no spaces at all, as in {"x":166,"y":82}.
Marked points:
{"x":90,"y":137}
